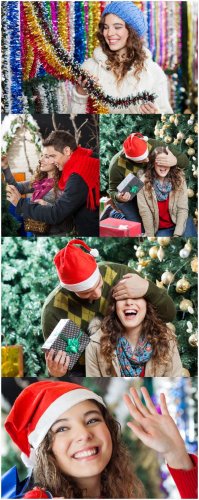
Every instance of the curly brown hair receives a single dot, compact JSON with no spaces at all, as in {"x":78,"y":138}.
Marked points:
{"x":153,"y":329}
{"x":48,"y":475}
{"x":175,"y":175}
{"x":135,"y":53}
{"x":39,"y":176}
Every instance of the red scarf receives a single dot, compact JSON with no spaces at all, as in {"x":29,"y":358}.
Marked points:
{"x":88,"y":168}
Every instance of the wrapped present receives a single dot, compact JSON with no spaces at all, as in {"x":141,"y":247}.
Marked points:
{"x":118,"y":227}
{"x":67,"y":337}
{"x":12,"y":361}
{"x":130,"y":184}
{"x":104,"y":201}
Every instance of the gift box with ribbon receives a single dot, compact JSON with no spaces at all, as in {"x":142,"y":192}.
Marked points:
{"x":67,"y":337}
{"x":130,"y":184}
{"x":12,"y":361}
{"x":118,"y":227}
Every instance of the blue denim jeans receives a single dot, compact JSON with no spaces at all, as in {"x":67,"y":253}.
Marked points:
{"x":190,"y":230}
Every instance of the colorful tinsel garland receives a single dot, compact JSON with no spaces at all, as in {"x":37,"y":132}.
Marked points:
{"x":171,"y":37}
{"x":57,"y":61}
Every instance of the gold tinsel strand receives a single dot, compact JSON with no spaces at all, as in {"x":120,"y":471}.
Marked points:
{"x":63,"y":23}
{"x":43,"y":45}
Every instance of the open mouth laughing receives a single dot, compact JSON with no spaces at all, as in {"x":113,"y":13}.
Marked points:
{"x":130,"y":313}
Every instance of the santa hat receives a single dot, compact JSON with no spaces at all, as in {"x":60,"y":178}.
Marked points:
{"x":37,"y":408}
{"x":77,"y":270}
{"x":135,"y":147}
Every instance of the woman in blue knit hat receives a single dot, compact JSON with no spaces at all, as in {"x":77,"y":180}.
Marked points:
{"x":122,"y":65}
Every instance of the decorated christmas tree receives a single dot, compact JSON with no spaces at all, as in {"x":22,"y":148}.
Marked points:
{"x":172,"y":264}
{"x":182,"y":131}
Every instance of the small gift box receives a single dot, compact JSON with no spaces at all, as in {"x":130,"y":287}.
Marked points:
{"x":12,"y":361}
{"x":131,"y":184}
{"x":118,"y":227}
{"x":67,"y":337}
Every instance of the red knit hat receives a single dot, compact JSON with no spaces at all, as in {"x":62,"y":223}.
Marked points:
{"x":77,"y":270}
{"x":135,"y":147}
{"x":37,"y":408}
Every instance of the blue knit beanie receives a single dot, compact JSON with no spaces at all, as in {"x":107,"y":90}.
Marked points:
{"x":128,"y":12}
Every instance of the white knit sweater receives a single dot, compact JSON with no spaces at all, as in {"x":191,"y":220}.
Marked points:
{"x":152,"y":79}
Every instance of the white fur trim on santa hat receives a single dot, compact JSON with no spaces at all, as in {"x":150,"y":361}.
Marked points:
{"x":59,"y":406}
{"x":94,"y":252}
{"x":30,"y":461}
{"x":83,"y":285}
{"x":138,"y":158}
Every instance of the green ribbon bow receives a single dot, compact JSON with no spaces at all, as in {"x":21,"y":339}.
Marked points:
{"x":134,"y":189}
{"x":72,"y":345}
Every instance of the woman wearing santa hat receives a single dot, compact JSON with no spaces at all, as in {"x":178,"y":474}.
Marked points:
{"x":122,"y":65}
{"x":73,"y":444}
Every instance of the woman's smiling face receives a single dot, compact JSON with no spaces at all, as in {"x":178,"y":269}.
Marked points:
{"x":131,"y":312}
{"x":82,"y":443}
{"x":161,"y":170}
{"x":115,"y":32}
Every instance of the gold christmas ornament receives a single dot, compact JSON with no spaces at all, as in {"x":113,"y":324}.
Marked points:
{"x":191,"y":151}
{"x":182,"y":285}
{"x":176,"y":121}
{"x":163,"y":118}
{"x":185,"y":372}
{"x":180,"y":136}
{"x":194,"y":264}
{"x":190,"y":193}
{"x":189,"y":141}
{"x":168,"y":139}
{"x":164,"y":241}
{"x":156,"y":132}
{"x":160,"y":254}
{"x":139,"y":253}
{"x":144,"y":263}
{"x":175,"y":142}
{"x":193,"y":340}
{"x":186,"y":305}
{"x":188,"y":246}
{"x":153,"y":252}
{"x":195,"y":173}
{"x":196,"y":128}
{"x":159,"y":284}
{"x":196,"y":213}
{"x":167,"y":278}
{"x":172,"y":118}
